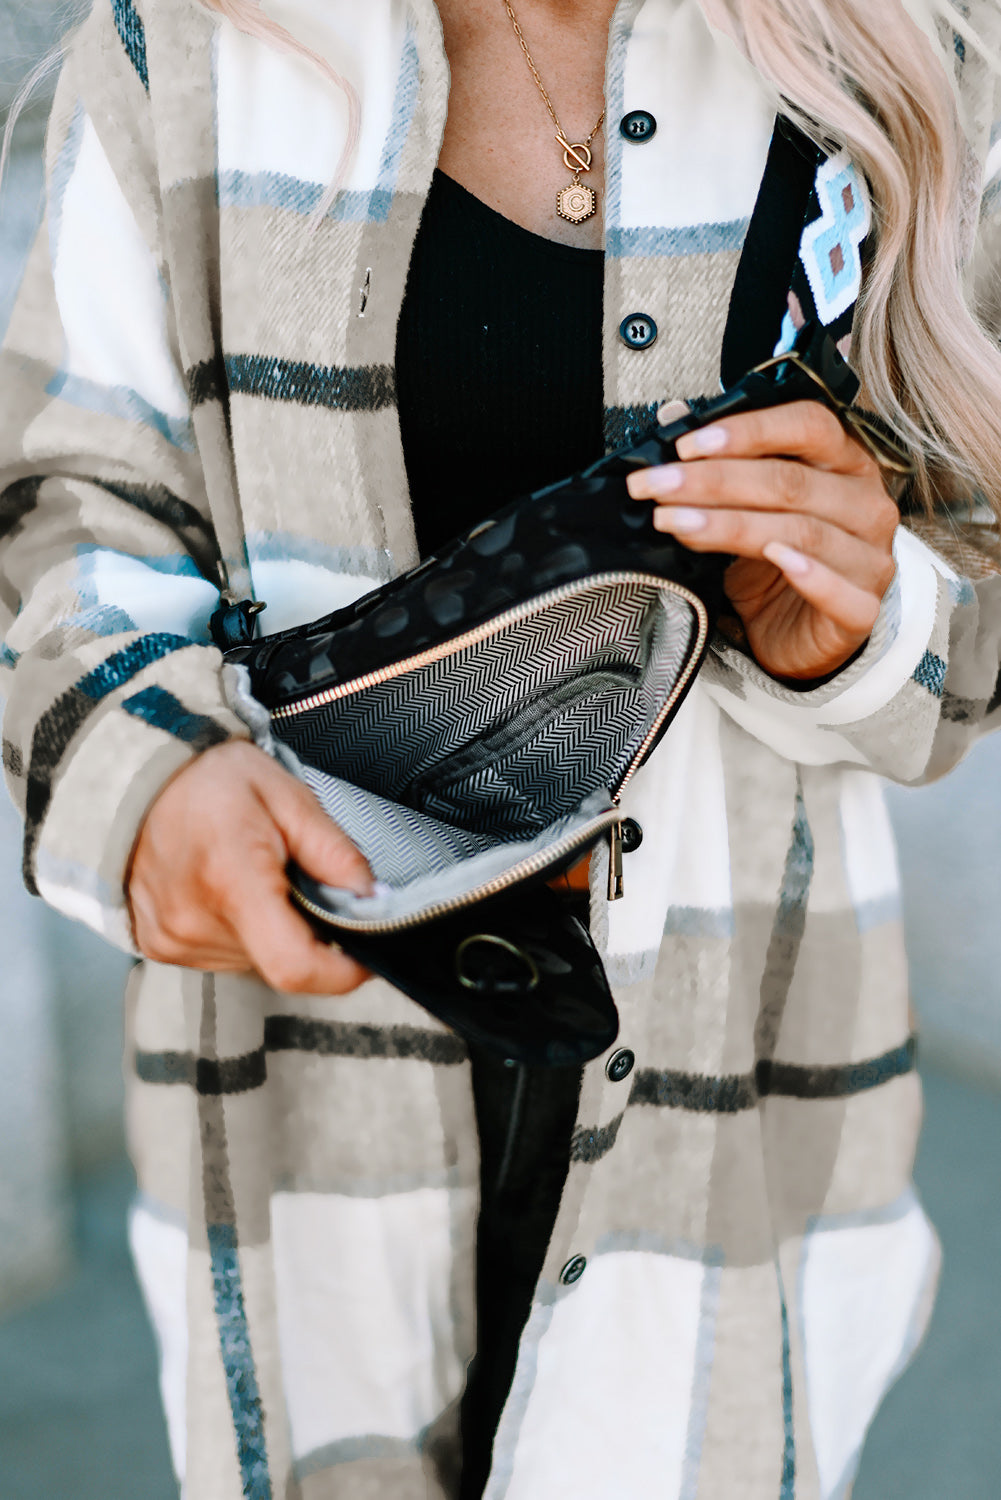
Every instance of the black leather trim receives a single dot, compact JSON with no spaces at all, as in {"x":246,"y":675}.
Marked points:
{"x":761,"y":289}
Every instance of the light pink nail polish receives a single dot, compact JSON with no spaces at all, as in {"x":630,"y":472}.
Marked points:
{"x":793,"y":563}
{"x":669,"y":478}
{"x":708,"y":439}
{"x":683,"y":520}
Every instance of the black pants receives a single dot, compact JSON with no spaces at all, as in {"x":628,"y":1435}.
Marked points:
{"x":525,"y":1118}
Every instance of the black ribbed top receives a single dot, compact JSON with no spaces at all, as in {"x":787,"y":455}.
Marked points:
{"x":498,"y":362}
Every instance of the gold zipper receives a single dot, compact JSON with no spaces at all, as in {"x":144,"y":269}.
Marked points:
{"x":616,"y":888}
{"x":522,"y":871}
{"x":476,"y":637}
{"x":538,"y":862}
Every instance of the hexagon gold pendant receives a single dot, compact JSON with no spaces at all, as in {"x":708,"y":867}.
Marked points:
{"x":576,"y":203}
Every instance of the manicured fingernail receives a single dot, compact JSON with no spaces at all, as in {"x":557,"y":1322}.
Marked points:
{"x":705,"y":440}
{"x":665,"y":480}
{"x":791,"y":562}
{"x":682,"y":520}
{"x":671,"y":411}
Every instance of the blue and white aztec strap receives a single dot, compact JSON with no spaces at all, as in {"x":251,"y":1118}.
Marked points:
{"x":828,"y":276}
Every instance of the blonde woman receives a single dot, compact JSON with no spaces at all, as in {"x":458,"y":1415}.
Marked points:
{"x":319,"y":285}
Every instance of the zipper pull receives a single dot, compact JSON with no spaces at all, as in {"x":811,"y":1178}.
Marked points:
{"x":615,"y":888}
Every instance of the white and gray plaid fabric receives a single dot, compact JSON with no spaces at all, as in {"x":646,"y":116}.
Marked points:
{"x":195,"y":371}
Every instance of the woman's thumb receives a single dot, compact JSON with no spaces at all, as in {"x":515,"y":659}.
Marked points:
{"x":316,"y":843}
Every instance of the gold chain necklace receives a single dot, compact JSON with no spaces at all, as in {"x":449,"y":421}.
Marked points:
{"x":576,"y":202}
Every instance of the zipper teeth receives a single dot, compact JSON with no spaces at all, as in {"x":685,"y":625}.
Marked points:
{"x":539,"y":861}
{"x":702,"y":616}
{"x":474,"y":638}
{"x":527,"y":867}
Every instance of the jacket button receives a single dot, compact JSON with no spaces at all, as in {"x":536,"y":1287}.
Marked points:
{"x":573,"y":1270}
{"x":620,"y":1064}
{"x":638,"y":125}
{"x":638,"y":331}
{"x":632,"y":835}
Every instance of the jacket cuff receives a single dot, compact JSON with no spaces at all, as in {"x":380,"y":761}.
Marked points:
{"x":813,"y":725}
{"x":82,"y":824}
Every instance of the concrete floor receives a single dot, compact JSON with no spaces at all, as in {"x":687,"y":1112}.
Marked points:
{"x":79,"y":1417}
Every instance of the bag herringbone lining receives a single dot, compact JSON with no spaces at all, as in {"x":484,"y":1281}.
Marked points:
{"x":455,"y":770}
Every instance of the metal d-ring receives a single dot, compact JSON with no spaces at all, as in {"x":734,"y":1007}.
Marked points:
{"x":493,"y":940}
{"x":887,"y":449}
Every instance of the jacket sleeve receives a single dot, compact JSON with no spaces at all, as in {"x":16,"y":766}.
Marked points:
{"x":929,"y":680}
{"x":926,"y":685}
{"x":108,"y":560}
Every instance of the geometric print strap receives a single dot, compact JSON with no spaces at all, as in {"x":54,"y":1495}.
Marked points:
{"x":827,"y":280}
{"x":831,"y":250}
{"x":803,"y":255}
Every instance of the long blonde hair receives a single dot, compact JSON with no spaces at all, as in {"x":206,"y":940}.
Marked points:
{"x":865,"y":77}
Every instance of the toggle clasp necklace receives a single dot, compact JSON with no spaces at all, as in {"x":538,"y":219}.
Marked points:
{"x":577,"y":201}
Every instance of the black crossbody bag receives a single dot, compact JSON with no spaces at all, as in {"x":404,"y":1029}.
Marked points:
{"x":472,"y":724}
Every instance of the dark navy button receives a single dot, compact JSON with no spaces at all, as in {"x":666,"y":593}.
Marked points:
{"x":573,"y":1270}
{"x":638,"y":125}
{"x":637,"y":331}
{"x":632,"y":835}
{"x":620,"y":1064}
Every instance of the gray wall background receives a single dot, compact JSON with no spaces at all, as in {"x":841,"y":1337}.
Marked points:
{"x":949,"y":838}
{"x":60,"y":988}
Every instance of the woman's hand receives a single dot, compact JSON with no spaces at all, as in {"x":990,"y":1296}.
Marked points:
{"x":208,"y":888}
{"x":803,"y":507}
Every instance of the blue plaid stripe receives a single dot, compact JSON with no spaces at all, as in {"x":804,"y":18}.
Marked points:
{"x":157,"y":707}
{"x":930,"y":674}
{"x":62,"y":174}
{"x":239,"y":189}
{"x":123,"y":665}
{"x":712,"y":1279}
{"x":790,"y":918}
{"x":627,"y":424}
{"x":838,"y":1081}
{"x":133,"y":34}
{"x":404,"y":106}
{"x":296,"y":195}
{"x":619,"y":34}
{"x":788,"y":1490}
{"x":338,"y":387}
{"x":67,"y":716}
{"x":238,"y":1362}
{"x":122,"y":402}
{"x":671,"y":242}
{"x":787,"y":935}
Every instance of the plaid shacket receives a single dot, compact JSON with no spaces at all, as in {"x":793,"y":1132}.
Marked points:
{"x":198,"y":376}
